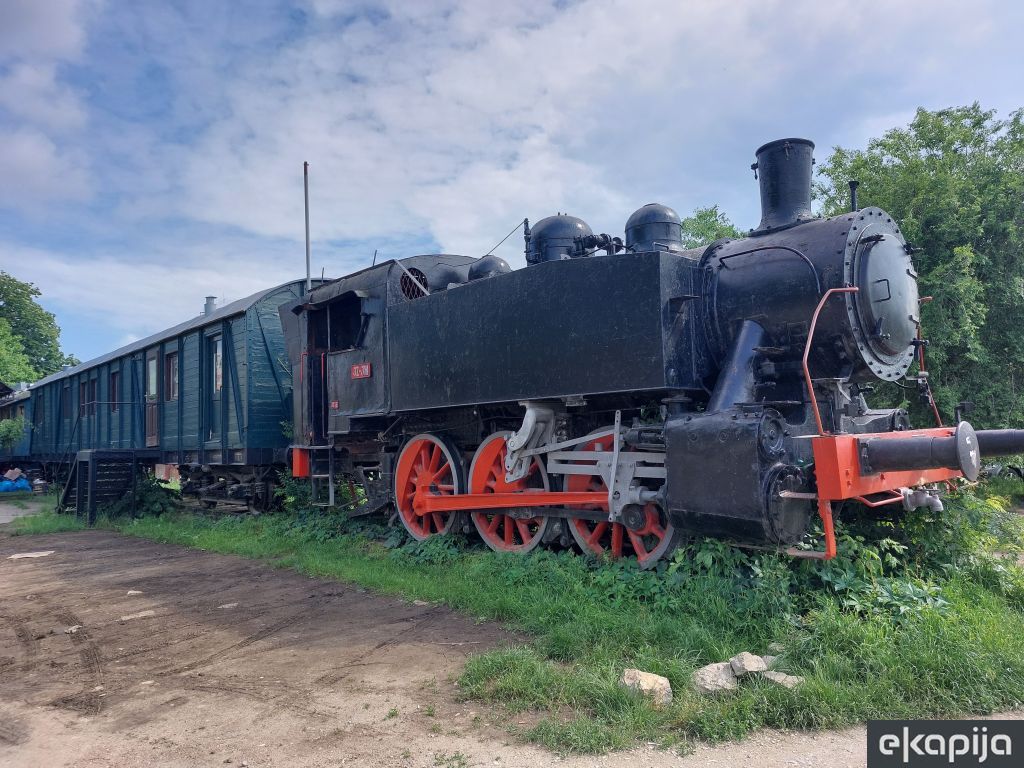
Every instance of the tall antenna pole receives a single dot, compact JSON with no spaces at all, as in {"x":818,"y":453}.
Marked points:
{"x":305,"y":184}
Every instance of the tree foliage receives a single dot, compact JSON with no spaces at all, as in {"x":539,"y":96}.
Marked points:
{"x":14,"y":363}
{"x":34,"y":327}
{"x":705,"y":226}
{"x":11,"y":432}
{"x":954,"y":179}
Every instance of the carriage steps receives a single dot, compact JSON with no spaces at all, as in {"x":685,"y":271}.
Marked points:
{"x":98,"y":478}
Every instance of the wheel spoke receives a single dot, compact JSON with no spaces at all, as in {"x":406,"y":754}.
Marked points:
{"x":492,"y":526}
{"x":524,"y":530}
{"x":437,"y":475}
{"x":508,"y":530}
{"x":638,"y":544}
{"x":617,"y":530}
{"x":436,"y":456}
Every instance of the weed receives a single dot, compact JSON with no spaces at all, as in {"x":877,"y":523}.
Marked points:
{"x":147,"y":498}
{"x":46,"y":522}
{"x":392,"y":714}
{"x":453,"y":760}
{"x":429,"y":711}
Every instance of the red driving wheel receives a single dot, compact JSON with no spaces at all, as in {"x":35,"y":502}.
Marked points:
{"x":427,"y":465}
{"x":648,"y":543}
{"x":500,"y":531}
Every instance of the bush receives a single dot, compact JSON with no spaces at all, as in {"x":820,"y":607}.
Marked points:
{"x":12,"y":431}
{"x":150,"y":498}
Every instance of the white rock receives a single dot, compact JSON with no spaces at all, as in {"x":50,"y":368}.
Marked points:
{"x":655,"y":687}
{"x":133,"y":592}
{"x":769,"y":661}
{"x":776,"y":648}
{"x":228,"y":605}
{"x":22,"y":555}
{"x":715,"y":678}
{"x":781,"y":678}
{"x":72,"y":630}
{"x":745,"y":663}
{"x":139,"y":615}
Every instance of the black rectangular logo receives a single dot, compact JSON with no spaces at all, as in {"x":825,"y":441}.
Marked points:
{"x":926,"y":743}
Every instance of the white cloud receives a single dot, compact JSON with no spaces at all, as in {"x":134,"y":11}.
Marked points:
{"x":34,"y":170}
{"x":48,"y":29}
{"x":438,"y":120}
{"x":31,"y":92}
{"x":458,"y":119}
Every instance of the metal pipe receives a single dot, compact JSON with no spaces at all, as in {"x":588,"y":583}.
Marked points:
{"x":807,"y":352}
{"x":853,"y":195}
{"x":1001,"y":442}
{"x":305,"y":187}
{"x":899,"y":453}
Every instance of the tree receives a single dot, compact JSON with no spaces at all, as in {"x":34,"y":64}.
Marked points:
{"x":32,"y":325}
{"x":705,"y":226}
{"x":12,"y":431}
{"x":14,"y":364}
{"x":954,"y":179}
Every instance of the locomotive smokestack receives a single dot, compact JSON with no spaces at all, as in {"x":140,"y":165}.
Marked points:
{"x":783,"y":169}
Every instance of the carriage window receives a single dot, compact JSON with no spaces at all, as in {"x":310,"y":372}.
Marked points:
{"x":345,"y":320}
{"x":115,"y":392}
{"x":216,"y":358}
{"x":171,"y":376}
{"x":92,"y":398}
{"x":151,"y":378}
{"x":318,"y":333}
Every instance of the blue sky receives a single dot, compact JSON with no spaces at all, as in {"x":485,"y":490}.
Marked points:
{"x":151,"y":152}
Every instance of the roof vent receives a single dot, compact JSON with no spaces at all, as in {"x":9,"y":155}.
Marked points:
{"x":210,"y":306}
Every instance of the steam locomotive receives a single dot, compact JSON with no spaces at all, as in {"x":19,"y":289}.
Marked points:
{"x":623,"y":393}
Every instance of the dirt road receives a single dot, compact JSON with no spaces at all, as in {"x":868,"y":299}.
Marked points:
{"x":22,"y":505}
{"x":120,"y":652}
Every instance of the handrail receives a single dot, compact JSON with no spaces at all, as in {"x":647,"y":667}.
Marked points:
{"x":807,"y":350}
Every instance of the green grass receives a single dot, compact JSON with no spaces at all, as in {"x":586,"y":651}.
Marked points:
{"x":17,"y":498}
{"x":45,"y":521}
{"x":916,"y":619}
{"x":1008,"y":486}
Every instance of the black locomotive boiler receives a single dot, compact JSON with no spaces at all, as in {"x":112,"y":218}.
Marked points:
{"x":621,"y":393}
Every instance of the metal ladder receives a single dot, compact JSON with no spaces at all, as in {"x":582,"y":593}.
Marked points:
{"x":318,"y":472}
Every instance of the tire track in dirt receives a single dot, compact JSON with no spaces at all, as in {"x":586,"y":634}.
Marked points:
{"x":256,"y":637}
{"x":12,"y":731}
{"x":340,"y":673}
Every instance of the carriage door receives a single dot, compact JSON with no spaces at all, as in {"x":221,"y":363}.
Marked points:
{"x":152,"y":404}
{"x":214,"y":386}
